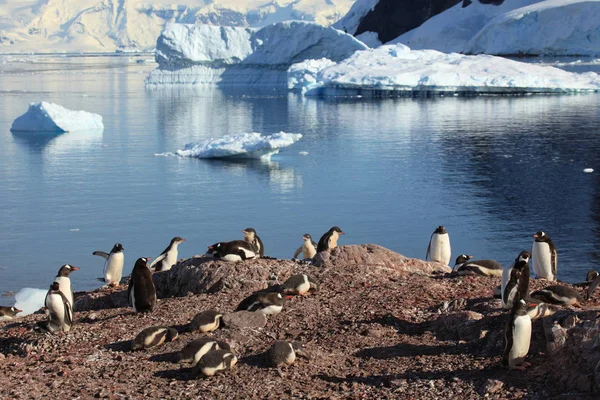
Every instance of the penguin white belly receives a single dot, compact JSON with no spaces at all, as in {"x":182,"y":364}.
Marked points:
{"x":231,"y":257}
{"x":304,"y":287}
{"x":64,"y":283}
{"x":56,"y":308}
{"x":521,"y":340}
{"x":113,"y":269}
{"x":270,"y":310}
{"x":249,"y":253}
{"x":308,"y":251}
{"x":5,"y":318}
{"x":542,"y":260}
{"x":132,"y":298}
{"x":439,"y":249}
{"x":169,"y":260}
{"x":291,"y":357}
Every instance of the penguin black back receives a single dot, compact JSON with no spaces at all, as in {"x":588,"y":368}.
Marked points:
{"x":329,"y":240}
{"x":153,"y":336}
{"x":141,"y":291}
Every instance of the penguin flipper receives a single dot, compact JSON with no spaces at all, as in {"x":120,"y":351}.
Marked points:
{"x":554,"y":262}
{"x":158,"y":259}
{"x":297,"y":253}
{"x":129,"y":287}
{"x":428,"y":248}
{"x":592,"y":287}
{"x":101,"y":254}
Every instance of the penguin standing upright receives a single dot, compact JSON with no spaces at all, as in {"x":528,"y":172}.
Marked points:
{"x":8,"y":313}
{"x":60,"y":313}
{"x":463,"y":266}
{"x":308,"y":248}
{"x":168,"y":257}
{"x":236,"y":250}
{"x":545,"y":256}
{"x":62,"y":278}
{"x":284,"y":353}
{"x":329,"y":240}
{"x":251,"y":237}
{"x":113,"y":267}
{"x":141,"y":291}
{"x":517,"y":336}
{"x":515,"y":280}
{"x":153,"y":336}
{"x":438,"y":248}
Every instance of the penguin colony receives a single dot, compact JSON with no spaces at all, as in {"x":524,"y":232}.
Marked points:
{"x":209,"y":355}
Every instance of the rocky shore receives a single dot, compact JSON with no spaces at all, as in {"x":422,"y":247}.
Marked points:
{"x":381,"y":326}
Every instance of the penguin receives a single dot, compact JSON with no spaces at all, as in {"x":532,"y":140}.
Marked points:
{"x":236,"y":250}
{"x":141,"y":291}
{"x":478,"y":267}
{"x":215,"y":361}
{"x":168,"y":257}
{"x":299,"y":284}
{"x":153,"y":336}
{"x":591,"y":275}
{"x":517,"y":336}
{"x":8,"y":313}
{"x":206,"y":321}
{"x":308,"y":248}
{"x":62,"y":278}
{"x":283,"y":353}
{"x":251,"y":237}
{"x":545,"y":257}
{"x":329,"y":240}
{"x":438,"y":248}
{"x":197,"y":348}
{"x":559,"y":295}
{"x":515,"y":280}
{"x":59,"y":310}
{"x":593,"y":285}
{"x":113,"y":267}
{"x":541,"y":310}
{"x":268,"y":303}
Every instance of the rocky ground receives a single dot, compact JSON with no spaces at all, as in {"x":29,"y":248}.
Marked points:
{"x":382,"y":326}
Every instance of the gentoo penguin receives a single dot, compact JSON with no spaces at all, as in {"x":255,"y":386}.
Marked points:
{"x":308,"y":248}
{"x":593,"y":285}
{"x":545,"y":257}
{"x":329,"y":240}
{"x":153,"y":336}
{"x":559,"y":295}
{"x":62,"y":278}
{"x":591,"y":275}
{"x":438,"y":248}
{"x":141,"y":291}
{"x":515,"y":280}
{"x":251,"y":237}
{"x":206,"y":321}
{"x":299,"y":284}
{"x":215,"y":361}
{"x":236,"y":250}
{"x":477,"y":267}
{"x":168,"y":257}
{"x":59,"y":310}
{"x":541,"y":310}
{"x":197,"y":348}
{"x":8,"y":313}
{"x":517,"y":336}
{"x":283,"y":353}
{"x":268,"y":303}
{"x":113,"y":267}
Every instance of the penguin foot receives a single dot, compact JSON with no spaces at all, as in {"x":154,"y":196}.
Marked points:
{"x":280,"y":372}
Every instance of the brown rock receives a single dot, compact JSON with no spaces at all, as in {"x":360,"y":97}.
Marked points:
{"x":491,"y":386}
{"x":245,"y":319}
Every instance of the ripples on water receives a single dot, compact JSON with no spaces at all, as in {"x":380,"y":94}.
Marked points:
{"x":492,"y":170}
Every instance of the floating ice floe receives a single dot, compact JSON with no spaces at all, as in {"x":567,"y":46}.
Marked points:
{"x":49,"y":117}
{"x":398,"y":70}
{"x":30,"y":300}
{"x":245,"y":145}
{"x":588,"y":170}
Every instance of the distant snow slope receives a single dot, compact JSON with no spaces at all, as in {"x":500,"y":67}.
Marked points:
{"x":532,"y":27}
{"x":359,"y":9}
{"x":108,"y":25}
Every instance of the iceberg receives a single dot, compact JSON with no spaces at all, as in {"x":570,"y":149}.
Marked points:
{"x":49,"y":117}
{"x":396,"y":70}
{"x":246,"y":145}
{"x":30,"y":300}
{"x":199,"y":54}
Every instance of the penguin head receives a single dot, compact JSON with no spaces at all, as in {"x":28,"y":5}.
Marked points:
{"x":142,"y":261}
{"x":15,"y":310}
{"x":462,"y":259}
{"x":591,"y":275}
{"x":66,"y":270}
{"x":172,"y":334}
{"x":307,"y":237}
{"x":117,"y":247}
{"x":214,"y":248}
{"x":337,"y":229}
{"x":177,"y":240}
{"x":440,"y":230}
{"x":522,"y":258}
{"x":249,"y":234}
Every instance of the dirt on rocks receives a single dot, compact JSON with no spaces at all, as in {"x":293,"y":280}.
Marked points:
{"x":376,"y":329}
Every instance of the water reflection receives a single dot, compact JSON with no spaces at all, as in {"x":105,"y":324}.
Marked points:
{"x":53,"y":144}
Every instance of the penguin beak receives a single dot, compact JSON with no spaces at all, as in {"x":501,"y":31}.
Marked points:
{"x":18,"y":311}
{"x":211,"y":247}
{"x":536,"y":236}
{"x":342,"y":233}
{"x":74,"y":268}
{"x":469,"y":257}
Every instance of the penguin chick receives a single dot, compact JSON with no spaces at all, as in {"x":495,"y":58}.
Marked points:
{"x":299,"y":284}
{"x":268,"y":303}
{"x":236,"y":250}
{"x":206,"y":321}
{"x":283,"y":353}
{"x":515,"y":280}
{"x":477,"y":267}
{"x":215,"y":361}
{"x":197,"y":348}
{"x":153,"y":336}
{"x":113,"y":267}
{"x":591,"y":275}
{"x":329,"y":239}
{"x":251,"y":237}
{"x":60,"y":312}
{"x":439,"y":248}
{"x":541,"y":310}
{"x":559,"y":295}
{"x":168,"y":257}
{"x":8,"y":313}
{"x":517,"y":336}
{"x":593,"y":285}
{"x":308,"y":248}
{"x":141,"y":291}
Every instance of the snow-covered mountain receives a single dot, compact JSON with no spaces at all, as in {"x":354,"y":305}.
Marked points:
{"x":109,"y":25}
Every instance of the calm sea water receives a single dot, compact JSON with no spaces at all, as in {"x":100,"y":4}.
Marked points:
{"x":492,"y":170}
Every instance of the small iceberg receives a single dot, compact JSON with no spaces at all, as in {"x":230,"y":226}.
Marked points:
{"x":30,"y":300}
{"x":49,"y":117}
{"x":245,"y":145}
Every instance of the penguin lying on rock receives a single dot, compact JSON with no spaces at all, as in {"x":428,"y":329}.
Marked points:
{"x":237,"y":250}
{"x":559,"y":295}
{"x":8,"y":313}
{"x":541,"y":310}
{"x":197,"y":348}
{"x":215,"y":361}
{"x":299,"y":284}
{"x":283,"y":353}
{"x":515,"y":280}
{"x":153,"y":336}
{"x":463,"y":266}
{"x":268,"y":303}
{"x":206,"y":321}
